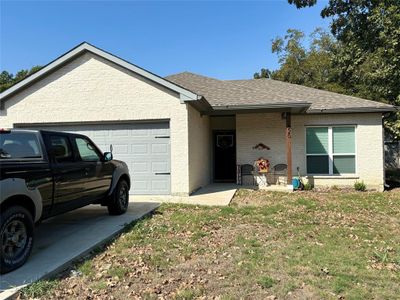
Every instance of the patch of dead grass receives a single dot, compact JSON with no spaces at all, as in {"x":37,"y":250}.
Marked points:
{"x":289,"y":246}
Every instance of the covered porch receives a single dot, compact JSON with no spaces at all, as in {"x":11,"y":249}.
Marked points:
{"x":240,"y":140}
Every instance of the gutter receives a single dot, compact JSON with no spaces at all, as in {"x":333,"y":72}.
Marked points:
{"x":354,"y":110}
{"x":262,"y":106}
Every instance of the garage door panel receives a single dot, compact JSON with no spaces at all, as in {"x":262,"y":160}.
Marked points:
{"x":145,"y":147}
{"x":159,"y":149}
{"x":140,"y":149}
{"x":140,"y":167}
{"x":159,"y":185}
{"x":160,"y":167}
{"x":99,"y":133}
{"x":141,"y":186}
{"x":121,"y":133}
{"x":121,"y":149}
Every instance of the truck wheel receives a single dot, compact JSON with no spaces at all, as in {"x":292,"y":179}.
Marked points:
{"x":119,"y":199}
{"x":16,"y":238}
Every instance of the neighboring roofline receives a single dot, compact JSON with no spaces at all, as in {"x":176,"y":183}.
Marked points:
{"x":185,"y":94}
{"x":353,"y":110}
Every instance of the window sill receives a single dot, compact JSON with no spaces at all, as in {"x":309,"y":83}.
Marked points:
{"x":333,"y":176}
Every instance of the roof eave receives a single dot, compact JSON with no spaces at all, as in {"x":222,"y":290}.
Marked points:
{"x":295,"y":107}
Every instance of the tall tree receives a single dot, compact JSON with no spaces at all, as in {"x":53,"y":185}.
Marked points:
{"x":367,"y":53}
{"x":310,"y":66}
{"x":7,"y":79}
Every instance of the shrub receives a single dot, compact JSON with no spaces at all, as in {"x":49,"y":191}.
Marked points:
{"x":308,"y":186}
{"x":360,"y":186}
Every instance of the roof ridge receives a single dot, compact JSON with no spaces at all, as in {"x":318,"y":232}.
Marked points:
{"x":193,"y":74}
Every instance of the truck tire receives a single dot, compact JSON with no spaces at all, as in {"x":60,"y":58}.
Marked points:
{"x":16,"y":238}
{"x":119,"y":199}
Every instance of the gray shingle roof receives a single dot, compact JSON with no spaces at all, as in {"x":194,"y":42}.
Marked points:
{"x":221,"y":93}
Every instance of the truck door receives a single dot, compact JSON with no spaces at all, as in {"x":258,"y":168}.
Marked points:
{"x":98,"y":173}
{"x":67,"y":173}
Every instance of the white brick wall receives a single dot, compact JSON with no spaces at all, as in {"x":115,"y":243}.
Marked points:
{"x":199,"y":149}
{"x":93,"y":89}
{"x":270,"y":130}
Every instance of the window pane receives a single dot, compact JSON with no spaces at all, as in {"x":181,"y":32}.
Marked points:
{"x":86,"y":150}
{"x":317,"y":140}
{"x":345,"y":164}
{"x":19,"y":145}
{"x":318,"y":164}
{"x":61,"y":148}
{"x":344,"y":140}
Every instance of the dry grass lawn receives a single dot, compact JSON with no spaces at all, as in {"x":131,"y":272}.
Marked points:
{"x":306,"y":245}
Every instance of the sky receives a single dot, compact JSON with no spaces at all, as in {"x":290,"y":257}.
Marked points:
{"x":221,"y":39}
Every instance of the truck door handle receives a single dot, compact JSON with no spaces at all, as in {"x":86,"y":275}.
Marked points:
{"x":161,"y":173}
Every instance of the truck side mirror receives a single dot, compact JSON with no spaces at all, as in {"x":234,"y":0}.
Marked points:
{"x":107,"y":156}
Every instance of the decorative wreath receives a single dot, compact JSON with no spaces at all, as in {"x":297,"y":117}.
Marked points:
{"x":262,"y":164}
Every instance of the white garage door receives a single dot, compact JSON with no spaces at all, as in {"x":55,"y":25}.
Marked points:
{"x":144,"y":147}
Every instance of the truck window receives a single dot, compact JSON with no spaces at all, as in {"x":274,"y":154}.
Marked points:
{"x":61,"y":148}
{"x":86,"y":150}
{"x":19,"y":145}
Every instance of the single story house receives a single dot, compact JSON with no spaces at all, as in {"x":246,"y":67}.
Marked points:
{"x":185,"y":131}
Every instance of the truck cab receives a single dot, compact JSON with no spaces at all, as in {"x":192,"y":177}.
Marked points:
{"x":46,"y":173}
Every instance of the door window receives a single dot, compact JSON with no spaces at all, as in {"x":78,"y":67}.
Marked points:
{"x":225,"y":141}
{"x":61,"y":148}
{"x":86,"y":150}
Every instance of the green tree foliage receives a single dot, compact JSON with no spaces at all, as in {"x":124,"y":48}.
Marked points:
{"x":310,"y":66}
{"x":264,"y":73}
{"x":8,"y":79}
{"x":362,"y":58}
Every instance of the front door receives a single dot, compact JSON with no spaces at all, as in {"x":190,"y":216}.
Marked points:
{"x":224,"y":156}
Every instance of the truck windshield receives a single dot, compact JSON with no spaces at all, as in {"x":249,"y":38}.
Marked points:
{"x":19,"y":145}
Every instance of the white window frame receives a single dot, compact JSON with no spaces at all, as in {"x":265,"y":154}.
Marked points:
{"x":330,"y":153}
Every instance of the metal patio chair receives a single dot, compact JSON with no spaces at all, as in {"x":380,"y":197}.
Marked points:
{"x":247,"y":170}
{"x":279,"y":171}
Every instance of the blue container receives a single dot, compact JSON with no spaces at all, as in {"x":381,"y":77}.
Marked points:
{"x":296,"y":183}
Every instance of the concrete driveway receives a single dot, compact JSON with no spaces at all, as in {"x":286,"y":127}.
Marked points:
{"x":63,"y":239}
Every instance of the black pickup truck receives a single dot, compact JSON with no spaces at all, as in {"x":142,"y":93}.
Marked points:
{"x":45,"y":173}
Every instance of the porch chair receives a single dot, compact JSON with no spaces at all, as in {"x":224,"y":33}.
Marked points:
{"x":246,"y":170}
{"x":280,"y":174}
